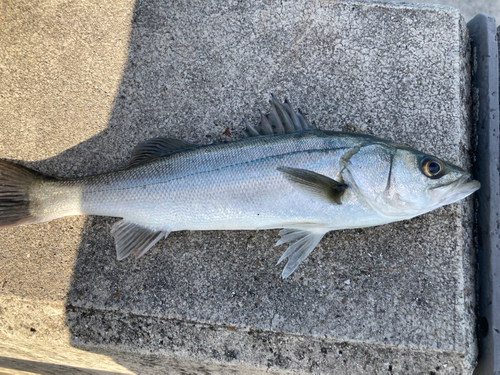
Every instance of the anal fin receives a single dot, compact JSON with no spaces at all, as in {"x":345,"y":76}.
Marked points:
{"x":302,"y":242}
{"x":130,"y":237}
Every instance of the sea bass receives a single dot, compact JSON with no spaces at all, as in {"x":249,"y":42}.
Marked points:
{"x":285,"y":174}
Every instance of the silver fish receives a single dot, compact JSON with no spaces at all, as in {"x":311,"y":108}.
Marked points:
{"x":286,"y":174}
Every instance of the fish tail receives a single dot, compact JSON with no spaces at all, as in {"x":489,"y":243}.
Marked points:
{"x":17,"y":203}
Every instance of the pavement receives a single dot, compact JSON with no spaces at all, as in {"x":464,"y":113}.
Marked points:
{"x":469,"y":8}
{"x":82,"y":83}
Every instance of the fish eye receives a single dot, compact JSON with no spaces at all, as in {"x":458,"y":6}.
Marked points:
{"x":432,"y":167}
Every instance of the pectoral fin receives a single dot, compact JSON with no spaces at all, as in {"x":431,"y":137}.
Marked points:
{"x":130,"y":237}
{"x":302,"y":242}
{"x":315,"y":184}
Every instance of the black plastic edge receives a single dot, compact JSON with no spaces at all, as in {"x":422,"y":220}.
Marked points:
{"x":485,"y":86}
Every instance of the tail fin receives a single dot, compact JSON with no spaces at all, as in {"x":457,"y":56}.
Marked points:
{"x":16,"y":182}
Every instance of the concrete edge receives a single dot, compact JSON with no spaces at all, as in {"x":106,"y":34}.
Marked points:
{"x":482,"y":30}
{"x":402,"y":4}
{"x":291,"y":352}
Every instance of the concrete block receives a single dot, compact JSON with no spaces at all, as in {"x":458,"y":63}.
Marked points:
{"x":485,"y":86}
{"x":82,"y":84}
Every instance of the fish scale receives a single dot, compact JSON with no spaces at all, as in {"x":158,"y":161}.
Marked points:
{"x":222,"y":192}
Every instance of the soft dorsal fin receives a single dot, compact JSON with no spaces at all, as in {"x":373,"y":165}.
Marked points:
{"x":155,"y":148}
{"x":281,"y":119}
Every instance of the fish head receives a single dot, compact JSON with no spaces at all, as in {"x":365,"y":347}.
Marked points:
{"x":400,"y":182}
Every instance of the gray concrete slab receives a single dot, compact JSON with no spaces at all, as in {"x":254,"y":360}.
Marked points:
{"x":394,"y":298}
{"x":469,"y":8}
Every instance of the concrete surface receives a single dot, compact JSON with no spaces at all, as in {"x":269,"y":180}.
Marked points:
{"x":22,"y":356}
{"x":469,"y":8}
{"x":27,"y":356}
{"x":83,"y":82}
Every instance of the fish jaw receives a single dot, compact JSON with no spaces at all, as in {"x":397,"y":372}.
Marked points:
{"x":453,"y":192}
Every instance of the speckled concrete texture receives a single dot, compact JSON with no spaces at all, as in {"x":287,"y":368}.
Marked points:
{"x":395,"y":298}
{"x":469,"y":8}
{"x":21,"y":356}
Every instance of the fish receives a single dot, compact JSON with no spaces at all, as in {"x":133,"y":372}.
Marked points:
{"x":286,"y":173}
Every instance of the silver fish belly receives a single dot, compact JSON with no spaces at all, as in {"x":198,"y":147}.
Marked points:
{"x":285,"y":175}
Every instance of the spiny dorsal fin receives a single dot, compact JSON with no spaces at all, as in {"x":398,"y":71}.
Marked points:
{"x":315,"y":184}
{"x":282,"y":112}
{"x":133,"y":238}
{"x":155,"y":148}
{"x":281,"y":119}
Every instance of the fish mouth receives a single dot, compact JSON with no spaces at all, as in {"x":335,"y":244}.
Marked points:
{"x":454,"y":191}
